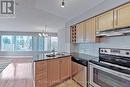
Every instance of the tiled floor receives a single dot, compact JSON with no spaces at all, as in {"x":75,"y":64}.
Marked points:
{"x":68,"y":83}
{"x":19,"y":73}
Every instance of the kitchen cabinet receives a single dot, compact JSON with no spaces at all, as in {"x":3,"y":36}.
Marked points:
{"x":65,"y":68}
{"x":85,"y":32}
{"x":74,"y":68}
{"x":73,"y":33}
{"x":105,"y":21}
{"x":80,"y":32}
{"x":79,"y":74}
{"x":41,"y":74}
{"x":90,"y":29}
{"x":122,"y":16}
{"x":53,"y":71}
{"x":114,"y":19}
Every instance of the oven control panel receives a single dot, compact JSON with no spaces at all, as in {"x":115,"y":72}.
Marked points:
{"x":116,"y":52}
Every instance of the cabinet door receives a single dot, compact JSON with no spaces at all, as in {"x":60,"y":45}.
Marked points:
{"x":41,"y":83}
{"x":65,"y":68}
{"x":74,"y":68}
{"x":81,"y":75}
{"x":90,"y":32}
{"x":41,"y":74}
{"x":105,"y":21}
{"x":53,"y":71}
{"x":122,"y":16}
{"x":80,"y":33}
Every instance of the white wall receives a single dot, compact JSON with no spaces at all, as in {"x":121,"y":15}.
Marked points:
{"x":61,"y":40}
{"x":92,"y":48}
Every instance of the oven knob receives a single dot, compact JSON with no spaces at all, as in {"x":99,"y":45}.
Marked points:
{"x":105,"y":51}
{"x":127,"y":53}
{"x":101,"y":50}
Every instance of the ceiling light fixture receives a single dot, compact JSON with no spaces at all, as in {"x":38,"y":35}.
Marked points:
{"x":63,"y":4}
{"x":44,"y":32}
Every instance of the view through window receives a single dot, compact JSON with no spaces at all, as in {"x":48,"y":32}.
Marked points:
{"x":28,"y":43}
{"x":16,"y":43}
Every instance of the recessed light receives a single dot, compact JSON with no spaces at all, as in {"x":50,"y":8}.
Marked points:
{"x":63,"y":4}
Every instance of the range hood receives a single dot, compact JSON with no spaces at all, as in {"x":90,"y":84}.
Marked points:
{"x":114,"y":32}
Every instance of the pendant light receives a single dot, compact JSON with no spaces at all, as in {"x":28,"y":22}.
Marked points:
{"x":44,"y":32}
{"x":40,"y":34}
{"x":63,"y":4}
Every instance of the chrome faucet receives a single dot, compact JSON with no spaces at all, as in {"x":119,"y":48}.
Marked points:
{"x":53,"y":51}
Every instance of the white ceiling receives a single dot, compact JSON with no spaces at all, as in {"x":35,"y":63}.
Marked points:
{"x":72,"y":8}
{"x":32,"y":15}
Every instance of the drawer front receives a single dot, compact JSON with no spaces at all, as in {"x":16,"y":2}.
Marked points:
{"x":40,"y":70}
{"x":40,"y":76}
{"x":40,"y":67}
{"x":41,"y":83}
{"x":41,"y":64}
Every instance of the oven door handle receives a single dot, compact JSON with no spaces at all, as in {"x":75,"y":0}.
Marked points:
{"x":113,"y":72}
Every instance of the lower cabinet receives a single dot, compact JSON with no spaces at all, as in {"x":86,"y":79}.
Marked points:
{"x":79,"y":74}
{"x":41,"y":74}
{"x":74,"y":68}
{"x":51,"y":72}
{"x":65,"y":68}
{"x":41,"y":83}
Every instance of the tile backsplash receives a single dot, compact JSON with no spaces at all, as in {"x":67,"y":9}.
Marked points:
{"x":122,"y":42}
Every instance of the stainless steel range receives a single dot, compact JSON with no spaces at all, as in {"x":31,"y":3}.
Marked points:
{"x":112,"y":69}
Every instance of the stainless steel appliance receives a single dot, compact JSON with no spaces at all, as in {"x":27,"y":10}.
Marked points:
{"x":79,"y":71}
{"x":112,"y":69}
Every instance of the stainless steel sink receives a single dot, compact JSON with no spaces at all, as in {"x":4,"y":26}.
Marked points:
{"x":51,"y":55}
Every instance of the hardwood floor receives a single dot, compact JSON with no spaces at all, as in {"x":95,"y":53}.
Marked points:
{"x":17,"y":74}
{"x":68,"y":83}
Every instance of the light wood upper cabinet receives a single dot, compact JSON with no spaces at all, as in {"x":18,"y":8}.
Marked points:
{"x":105,"y":21}
{"x":80,"y":33}
{"x":114,"y":19}
{"x":90,"y":30}
{"x":53,"y":67}
{"x":65,"y":68}
{"x":122,"y":16}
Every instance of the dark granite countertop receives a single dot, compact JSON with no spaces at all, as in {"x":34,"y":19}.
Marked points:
{"x":76,"y":57}
{"x":42,"y":57}
{"x":83,"y":58}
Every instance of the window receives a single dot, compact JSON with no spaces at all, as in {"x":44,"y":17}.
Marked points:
{"x":23,"y":43}
{"x":28,"y":43}
{"x":54,"y":43}
{"x":7,"y":43}
{"x":16,"y":43}
{"x":41,"y":44}
{"x":51,"y":43}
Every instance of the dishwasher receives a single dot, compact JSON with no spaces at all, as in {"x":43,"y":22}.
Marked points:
{"x":79,"y":71}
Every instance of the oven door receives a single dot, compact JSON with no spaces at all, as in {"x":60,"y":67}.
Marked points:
{"x":104,"y":77}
